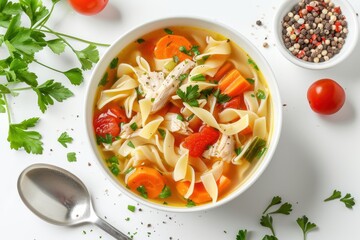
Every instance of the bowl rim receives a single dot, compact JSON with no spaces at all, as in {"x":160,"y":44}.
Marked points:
{"x":195,"y":22}
{"x":338,"y":58}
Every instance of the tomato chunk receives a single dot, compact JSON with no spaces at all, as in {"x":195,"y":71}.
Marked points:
{"x":108,"y":121}
{"x":198,"y":142}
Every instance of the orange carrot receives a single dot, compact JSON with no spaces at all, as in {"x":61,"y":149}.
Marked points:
{"x":234,"y":84}
{"x":195,"y":123}
{"x":169,"y":46}
{"x":200,"y":195}
{"x":226,"y":67}
{"x":149,"y":178}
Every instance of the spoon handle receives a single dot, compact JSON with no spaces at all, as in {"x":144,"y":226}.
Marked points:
{"x":110,"y":229}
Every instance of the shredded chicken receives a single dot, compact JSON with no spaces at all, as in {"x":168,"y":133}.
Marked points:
{"x":224,"y":148}
{"x":150,"y":82}
{"x":169,"y":86}
{"x":127,"y":131}
{"x":173,"y":124}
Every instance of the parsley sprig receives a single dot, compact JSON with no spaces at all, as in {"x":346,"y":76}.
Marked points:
{"x":305,"y":225}
{"x":190,"y":96}
{"x":348,"y":200}
{"x":22,"y":42}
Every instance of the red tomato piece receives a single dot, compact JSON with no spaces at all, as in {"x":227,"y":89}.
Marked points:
{"x":108,"y":121}
{"x":88,"y":7}
{"x":326,"y":96}
{"x":236,"y":103}
{"x":198,"y":142}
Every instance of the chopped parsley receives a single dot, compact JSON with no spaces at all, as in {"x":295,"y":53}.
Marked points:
{"x":114,"y":168}
{"x":238,"y":151}
{"x":190,"y":117}
{"x":129,"y":170}
{"x":168,"y":31}
{"x":131,"y":208}
{"x":130,"y":144}
{"x":104,"y":80}
{"x":140,"y":40}
{"x":114,"y":63}
{"x":134,"y":126}
{"x":112,"y":160}
{"x":252,"y":63}
{"x":166,"y":192}
{"x":221,"y":98}
{"x":152,"y":99}
{"x":180,"y":117}
{"x":71,"y":157}
{"x":107,"y":139}
{"x":198,"y":77}
{"x":162,"y":132}
{"x":64,"y":139}
{"x":176,"y":59}
{"x":195,"y":50}
{"x":305,"y":225}
{"x":250,"y":80}
{"x":142,"y":190}
{"x":190,"y":203}
{"x":260,"y":94}
{"x":348,"y":200}
{"x":190,"y":96}
{"x":182,"y":77}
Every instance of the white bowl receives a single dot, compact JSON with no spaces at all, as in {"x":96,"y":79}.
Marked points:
{"x":348,"y":47}
{"x":136,"y":33}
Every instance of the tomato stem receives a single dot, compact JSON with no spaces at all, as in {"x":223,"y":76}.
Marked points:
{"x":72,"y":37}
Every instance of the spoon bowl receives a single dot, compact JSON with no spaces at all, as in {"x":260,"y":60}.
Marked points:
{"x":59,"y":197}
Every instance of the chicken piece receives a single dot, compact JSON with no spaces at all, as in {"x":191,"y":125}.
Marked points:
{"x":224,"y":148}
{"x":170,"y":85}
{"x":173,"y":124}
{"x":150,"y":82}
{"x":127,"y":131}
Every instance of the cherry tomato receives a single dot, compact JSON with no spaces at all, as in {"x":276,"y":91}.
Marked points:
{"x":326,"y":96}
{"x":88,"y":7}
{"x":108,"y":121}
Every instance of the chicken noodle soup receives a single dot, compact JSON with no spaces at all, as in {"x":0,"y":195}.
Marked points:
{"x":182,"y":116}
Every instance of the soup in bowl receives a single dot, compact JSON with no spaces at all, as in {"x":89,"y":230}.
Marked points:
{"x":183,"y":114}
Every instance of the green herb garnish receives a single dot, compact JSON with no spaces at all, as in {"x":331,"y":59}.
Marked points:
{"x":190,"y":96}
{"x":221,"y":98}
{"x":241,"y":235}
{"x":250,"y":80}
{"x":166,"y":192}
{"x":140,"y":40}
{"x":190,"y":117}
{"x":206,"y":92}
{"x":129,"y":170}
{"x":305,"y":225}
{"x":238,"y":151}
{"x":252,"y":63}
{"x":142,"y":190}
{"x":255,"y":147}
{"x":162,"y":132}
{"x":168,"y":31}
{"x":190,"y":203}
{"x":130,"y":144}
{"x":183,"y":76}
{"x":152,"y":99}
{"x":114,"y":63}
{"x":275,"y":201}
{"x":285,"y":208}
{"x":348,"y":200}
{"x":108,"y":139}
{"x":198,"y":77}
{"x":131,"y":208}
{"x":112,"y":160}
{"x":260,"y":94}
{"x":180,"y":117}
{"x":114,"y":168}
{"x":183,"y":49}
{"x":195,"y":50}
{"x":104,"y":80}
{"x":64,"y":139}
{"x":269,"y":237}
{"x":134,"y":126}
{"x":175,"y":59}
{"x":267,"y":221}
{"x":71,"y":157}
{"x":336,"y":194}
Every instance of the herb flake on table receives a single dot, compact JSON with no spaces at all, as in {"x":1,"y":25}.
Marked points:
{"x":71,"y":157}
{"x":241,"y":235}
{"x":64,"y":139}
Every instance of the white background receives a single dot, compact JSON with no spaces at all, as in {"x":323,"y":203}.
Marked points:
{"x":316,"y":154}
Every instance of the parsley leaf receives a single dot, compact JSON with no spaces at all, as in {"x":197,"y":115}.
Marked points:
{"x":305,"y":225}
{"x":107,"y":139}
{"x":252,"y":63}
{"x":275,"y":201}
{"x":114,"y":168}
{"x":114,"y":63}
{"x":142,"y":190}
{"x":285,"y":208}
{"x":336,"y":194}
{"x":140,"y":40}
{"x":241,"y":235}
{"x":168,"y":31}
{"x":190,"y":203}
{"x":103,"y":80}
{"x":166,"y":192}
{"x":51,"y":90}
{"x":64,"y":139}
{"x":131,"y":208}
{"x":130,"y":144}
{"x":267,"y":221}
{"x":162,"y":132}
{"x":74,"y":75}
{"x":269,"y":237}
{"x":20,"y":138}
{"x":260,"y":94}
{"x":88,"y":56}
{"x":198,"y":77}
{"x":71,"y":157}
{"x":57,"y":45}
{"x":190,"y":96}
{"x":34,"y":9}
{"x":221,"y":98}
{"x":2,"y":104}
{"x":348,"y":200}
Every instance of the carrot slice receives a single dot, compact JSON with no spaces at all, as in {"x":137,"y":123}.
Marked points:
{"x":200,"y":195}
{"x":149,"y":178}
{"x":225,"y":68}
{"x":234,"y":84}
{"x":169,"y":46}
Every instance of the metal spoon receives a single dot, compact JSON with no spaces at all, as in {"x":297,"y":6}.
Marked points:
{"x":59,"y":197}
